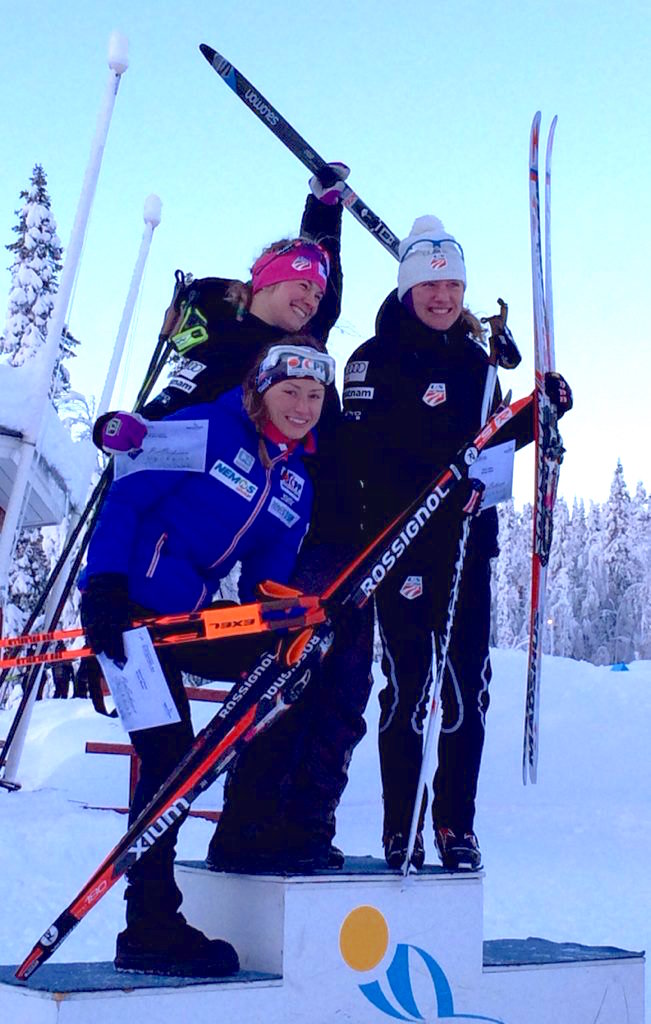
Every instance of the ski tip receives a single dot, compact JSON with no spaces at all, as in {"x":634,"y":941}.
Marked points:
{"x":552,"y":129}
{"x":30,"y":964}
{"x":207,"y":51}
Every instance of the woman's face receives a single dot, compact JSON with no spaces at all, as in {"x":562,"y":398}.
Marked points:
{"x":289,"y":304}
{"x":438,"y":303}
{"x":294,"y":406}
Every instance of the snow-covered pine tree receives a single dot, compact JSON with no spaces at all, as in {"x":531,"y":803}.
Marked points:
{"x":511,"y":578}
{"x":619,"y":562}
{"x":37,"y":253}
{"x":577,"y":568}
{"x":599,"y":583}
{"x":642,"y":521}
{"x":562,"y":628}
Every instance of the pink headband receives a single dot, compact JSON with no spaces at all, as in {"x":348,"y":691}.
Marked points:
{"x":299,"y":261}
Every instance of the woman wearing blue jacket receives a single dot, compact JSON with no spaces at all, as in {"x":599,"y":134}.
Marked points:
{"x":162,"y":544}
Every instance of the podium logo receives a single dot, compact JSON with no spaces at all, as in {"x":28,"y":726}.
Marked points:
{"x":364,"y":944}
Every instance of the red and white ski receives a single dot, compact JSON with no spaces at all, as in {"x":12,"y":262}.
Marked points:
{"x":549,"y":448}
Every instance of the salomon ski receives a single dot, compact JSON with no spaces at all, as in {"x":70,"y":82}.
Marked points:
{"x":270,"y":117}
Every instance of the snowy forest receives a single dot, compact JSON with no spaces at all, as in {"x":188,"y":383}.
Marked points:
{"x":598,"y":604}
{"x":599,"y":581}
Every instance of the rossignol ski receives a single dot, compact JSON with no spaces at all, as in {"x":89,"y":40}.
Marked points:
{"x":270,"y":117}
{"x":268,"y":689}
{"x":548,"y":444}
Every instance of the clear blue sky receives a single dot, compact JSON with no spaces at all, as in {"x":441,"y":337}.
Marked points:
{"x":429,"y":103}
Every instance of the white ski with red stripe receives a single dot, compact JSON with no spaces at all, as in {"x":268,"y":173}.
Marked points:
{"x":549,"y":448}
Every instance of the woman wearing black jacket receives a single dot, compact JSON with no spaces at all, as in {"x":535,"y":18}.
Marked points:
{"x":412,"y":397}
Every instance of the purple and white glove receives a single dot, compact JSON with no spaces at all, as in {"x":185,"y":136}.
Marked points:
{"x":559,"y":392}
{"x":328,"y":184}
{"x":471,"y":496}
{"x":124,"y":432}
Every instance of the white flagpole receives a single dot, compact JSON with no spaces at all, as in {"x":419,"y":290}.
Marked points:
{"x":45,"y":360}
{"x":151,"y":217}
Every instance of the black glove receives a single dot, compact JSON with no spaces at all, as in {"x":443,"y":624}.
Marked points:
{"x":559,"y":392}
{"x":105,"y":614}
{"x":503,"y":348}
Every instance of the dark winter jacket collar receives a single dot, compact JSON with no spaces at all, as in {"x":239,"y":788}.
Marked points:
{"x":396,"y":327}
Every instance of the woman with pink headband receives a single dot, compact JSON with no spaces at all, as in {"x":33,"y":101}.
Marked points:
{"x":218,"y":325}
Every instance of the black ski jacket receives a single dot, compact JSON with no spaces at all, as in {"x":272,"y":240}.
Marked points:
{"x":412,"y":398}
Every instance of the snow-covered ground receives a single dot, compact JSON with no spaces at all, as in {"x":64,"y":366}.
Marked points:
{"x":565,"y":859}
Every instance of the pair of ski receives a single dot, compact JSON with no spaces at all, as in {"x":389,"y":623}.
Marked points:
{"x":271,"y":687}
{"x":549,"y":447}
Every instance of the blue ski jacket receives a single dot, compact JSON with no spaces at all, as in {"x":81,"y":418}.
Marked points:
{"x":176,"y":534}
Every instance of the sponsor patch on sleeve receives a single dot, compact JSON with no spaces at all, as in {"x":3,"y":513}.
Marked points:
{"x":283,"y":512}
{"x":191,"y":369}
{"x":244,"y":460}
{"x":238,"y":483}
{"x":355,"y":394}
{"x":356,"y":371}
{"x":181,"y":384}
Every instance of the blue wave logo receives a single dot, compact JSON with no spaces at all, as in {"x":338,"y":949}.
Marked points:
{"x":364,"y":941}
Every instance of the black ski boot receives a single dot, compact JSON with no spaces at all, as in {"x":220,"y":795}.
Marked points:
{"x":395,"y":851}
{"x":458,"y":852}
{"x":336,"y":858}
{"x":176,"y":949}
{"x":275,"y":862}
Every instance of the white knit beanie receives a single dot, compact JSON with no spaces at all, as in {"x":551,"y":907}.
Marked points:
{"x":429,"y":253}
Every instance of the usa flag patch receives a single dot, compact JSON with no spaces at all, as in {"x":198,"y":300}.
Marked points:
{"x":412,"y":587}
{"x":435,"y":394}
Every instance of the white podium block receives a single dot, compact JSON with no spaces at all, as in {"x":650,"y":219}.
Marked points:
{"x":360,"y":945}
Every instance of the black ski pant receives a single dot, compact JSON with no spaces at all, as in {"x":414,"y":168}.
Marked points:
{"x":152,"y":894}
{"x":282,"y":793}
{"x":412,"y":609}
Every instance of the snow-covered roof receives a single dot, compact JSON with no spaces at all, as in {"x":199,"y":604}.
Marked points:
{"x":20,"y":407}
